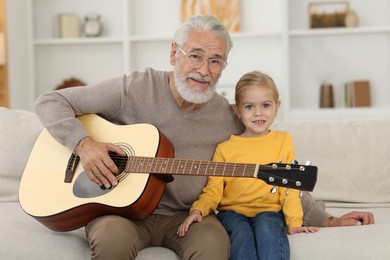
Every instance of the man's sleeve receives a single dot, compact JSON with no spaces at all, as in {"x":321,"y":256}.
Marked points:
{"x":314,"y":213}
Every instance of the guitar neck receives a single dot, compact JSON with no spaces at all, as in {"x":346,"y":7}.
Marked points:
{"x":190,"y":167}
{"x":302,"y":177}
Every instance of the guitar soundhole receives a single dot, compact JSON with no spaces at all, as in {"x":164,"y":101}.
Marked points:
{"x":120,"y":162}
{"x":85,"y":188}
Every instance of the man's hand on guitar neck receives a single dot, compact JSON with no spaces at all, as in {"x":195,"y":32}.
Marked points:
{"x":96,"y":161}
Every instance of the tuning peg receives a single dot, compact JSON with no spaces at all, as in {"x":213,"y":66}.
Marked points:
{"x":300,"y":194}
{"x":280,"y":160}
{"x":287,"y":191}
{"x":273,"y":190}
{"x":294,"y":162}
{"x":308,"y":163}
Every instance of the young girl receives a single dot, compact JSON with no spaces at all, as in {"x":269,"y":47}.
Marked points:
{"x":253,"y":217}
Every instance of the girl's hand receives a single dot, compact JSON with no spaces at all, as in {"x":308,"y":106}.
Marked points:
{"x":195,"y":216}
{"x":297,"y":230}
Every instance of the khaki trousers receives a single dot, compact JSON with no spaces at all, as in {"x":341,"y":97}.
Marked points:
{"x":114,"y":237}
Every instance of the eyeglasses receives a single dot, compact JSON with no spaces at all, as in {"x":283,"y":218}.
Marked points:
{"x":196,"y":61}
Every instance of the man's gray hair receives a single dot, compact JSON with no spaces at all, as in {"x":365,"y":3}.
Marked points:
{"x":203,"y":22}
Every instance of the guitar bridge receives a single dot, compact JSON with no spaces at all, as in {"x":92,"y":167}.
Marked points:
{"x":71,"y":167}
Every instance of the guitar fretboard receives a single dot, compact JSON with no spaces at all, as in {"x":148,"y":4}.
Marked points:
{"x":189,"y":167}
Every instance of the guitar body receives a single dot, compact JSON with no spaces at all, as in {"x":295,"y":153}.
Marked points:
{"x":62,"y":206}
{"x":56,"y":190}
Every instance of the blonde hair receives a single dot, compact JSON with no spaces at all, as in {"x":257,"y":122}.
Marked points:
{"x":255,"y":78}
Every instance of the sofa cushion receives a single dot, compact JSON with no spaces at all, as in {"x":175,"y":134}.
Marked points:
{"x":351,"y":158}
{"x":156,"y":253}
{"x":23,"y":237}
{"x":18,"y":132}
{"x":357,"y":242}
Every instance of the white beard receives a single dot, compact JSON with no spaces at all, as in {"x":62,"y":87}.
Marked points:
{"x":195,"y":95}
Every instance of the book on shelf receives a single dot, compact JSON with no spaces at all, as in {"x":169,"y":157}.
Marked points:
{"x":68,"y":25}
{"x":358,"y":94}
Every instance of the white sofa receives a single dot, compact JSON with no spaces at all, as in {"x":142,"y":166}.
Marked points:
{"x":353,"y":175}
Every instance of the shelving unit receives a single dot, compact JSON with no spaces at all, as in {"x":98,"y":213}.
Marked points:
{"x":133,"y":40}
{"x":337,"y":56}
{"x":89,"y":59}
{"x":274,"y":38}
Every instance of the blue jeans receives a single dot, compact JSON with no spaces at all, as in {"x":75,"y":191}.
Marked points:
{"x":260,"y":237}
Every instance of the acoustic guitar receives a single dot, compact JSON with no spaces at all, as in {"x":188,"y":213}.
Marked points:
{"x":56,"y":191}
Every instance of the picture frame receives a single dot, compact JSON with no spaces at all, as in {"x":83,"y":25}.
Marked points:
{"x":228,"y":11}
{"x":328,"y":14}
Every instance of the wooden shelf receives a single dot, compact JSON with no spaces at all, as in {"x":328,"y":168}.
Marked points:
{"x":339,"y":31}
{"x":368,"y":113}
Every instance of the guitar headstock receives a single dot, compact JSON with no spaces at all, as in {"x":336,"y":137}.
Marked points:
{"x":294,"y":176}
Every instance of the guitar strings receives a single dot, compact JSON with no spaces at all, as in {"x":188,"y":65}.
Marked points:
{"x":229,"y":167}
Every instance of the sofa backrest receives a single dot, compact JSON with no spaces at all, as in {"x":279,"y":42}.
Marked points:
{"x":18,"y":132}
{"x":352,"y":158}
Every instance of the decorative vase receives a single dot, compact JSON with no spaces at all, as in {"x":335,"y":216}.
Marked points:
{"x":326,"y":96}
{"x":351,"y":19}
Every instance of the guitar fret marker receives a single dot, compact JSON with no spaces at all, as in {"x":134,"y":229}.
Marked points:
{"x":214,"y":170}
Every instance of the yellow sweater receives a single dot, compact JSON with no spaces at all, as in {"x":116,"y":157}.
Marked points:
{"x":250,"y":196}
